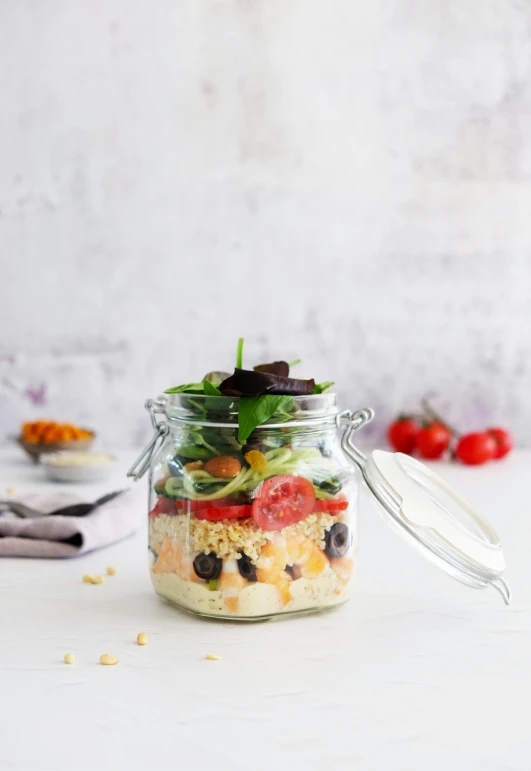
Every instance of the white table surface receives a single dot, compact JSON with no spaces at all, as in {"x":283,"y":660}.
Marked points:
{"x":416,"y":672}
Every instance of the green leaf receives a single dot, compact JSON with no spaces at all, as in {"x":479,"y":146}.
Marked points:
{"x":199,"y":439}
{"x":294,"y":363}
{"x":255,"y":410}
{"x":188,"y":388}
{"x":193,"y":452}
{"x":216,"y":378}
{"x":239,"y":353}
{"x":330,"y":485}
{"x":211,"y":389}
{"x":287,"y":408}
{"x":321,"y":388}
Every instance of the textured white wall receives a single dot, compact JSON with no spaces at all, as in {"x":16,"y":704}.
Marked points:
{"x":342,"y":181}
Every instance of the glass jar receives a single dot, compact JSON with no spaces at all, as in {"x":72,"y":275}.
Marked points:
{"x":270,"y":527}
{"x":254,"y":530}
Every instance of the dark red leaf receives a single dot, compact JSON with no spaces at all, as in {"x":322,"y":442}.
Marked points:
{"x":245,"y":382}
{"x":280,"y":368}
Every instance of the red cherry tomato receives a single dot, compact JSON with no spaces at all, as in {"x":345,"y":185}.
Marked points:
{"x":283,"y":501}
{"x":333,"y":505}
{"x":402,"y":435}
{"x":504,"y":441}
{"x":163,"y":506}
{"x":474,"y":449}
{"x":433,"y":441}
{"x":227,"y":512}
{"x":189,"y":505}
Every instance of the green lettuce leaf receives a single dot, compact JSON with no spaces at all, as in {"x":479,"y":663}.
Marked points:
{"x":255,"y":410}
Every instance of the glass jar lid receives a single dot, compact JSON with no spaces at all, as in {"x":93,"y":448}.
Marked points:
{"x":429,"y":513}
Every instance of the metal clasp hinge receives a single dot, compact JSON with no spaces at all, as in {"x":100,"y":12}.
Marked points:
{"x":142,"y":463}
{"x":352,"y":422}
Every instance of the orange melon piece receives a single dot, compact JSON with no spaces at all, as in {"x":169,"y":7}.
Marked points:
{"x":231,"y":604}
{"x":278,"y":557}
{"x":342,"y":567}
{"x":185,"y":568}
{"x":170,"y":556}
{"x":294,"y":549}
{"x":230,"y":584}
{"x":283,"y":587}
{"x":315,"y":564}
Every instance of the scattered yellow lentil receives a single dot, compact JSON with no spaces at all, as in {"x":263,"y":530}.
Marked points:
{"x":107,"y":660}
{"x":88,"y":579}
{"x":213,"y":657}
{"x":111,"y":571}
{"x":142,"y":638}
{"x":70,"y":658}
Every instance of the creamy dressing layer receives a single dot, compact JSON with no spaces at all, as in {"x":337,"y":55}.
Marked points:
{"x":256,"y":599}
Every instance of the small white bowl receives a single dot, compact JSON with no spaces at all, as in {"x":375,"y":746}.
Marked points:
{"x":77,"y":466}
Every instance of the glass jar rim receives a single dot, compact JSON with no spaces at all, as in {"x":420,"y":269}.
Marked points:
{"x":315,"y":409}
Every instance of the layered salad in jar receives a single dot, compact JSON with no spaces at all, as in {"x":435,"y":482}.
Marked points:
{"x":256,"y":519}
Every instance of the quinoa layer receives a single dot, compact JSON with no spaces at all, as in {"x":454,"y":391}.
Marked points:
{"x":229,"y":538}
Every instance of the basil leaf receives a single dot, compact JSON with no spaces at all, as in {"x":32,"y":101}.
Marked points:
{"x":321,"y":388}
{"x":210,"y":389}
{"x":255,"y":410}
{"x":188,"y":388}
{"x":287,"y":408}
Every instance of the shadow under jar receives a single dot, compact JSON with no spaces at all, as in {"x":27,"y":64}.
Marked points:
{"x":251,"y":531}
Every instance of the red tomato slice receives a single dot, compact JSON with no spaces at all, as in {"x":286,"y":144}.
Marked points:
{"x":283,"y":501}
{"x":189,"y":505}
{"x":335,"y":504}
{"x":163,"y":506}
{"x":227,"y":512}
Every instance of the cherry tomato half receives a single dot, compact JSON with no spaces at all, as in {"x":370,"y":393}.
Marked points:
{"x":163,"y":506}
{"x":283,"y":501}
{"x":504,"y":441}
{"x":227,"y":512}
{"x":189,"y":505}
{"x":474,"y":449}
{"x":433,"y":441}
{"x":402,"y":435}
{"x":331,"y":505}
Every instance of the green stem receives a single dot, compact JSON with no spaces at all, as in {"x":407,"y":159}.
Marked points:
{"x":239,"y":354}
{"x":434,"y":415}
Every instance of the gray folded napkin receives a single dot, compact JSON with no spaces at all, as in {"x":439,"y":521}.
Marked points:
{"x":69,"y":536}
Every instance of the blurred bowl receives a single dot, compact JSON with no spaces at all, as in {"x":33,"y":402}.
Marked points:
{"x":74,"y":466}
{"x":35,"y":450}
